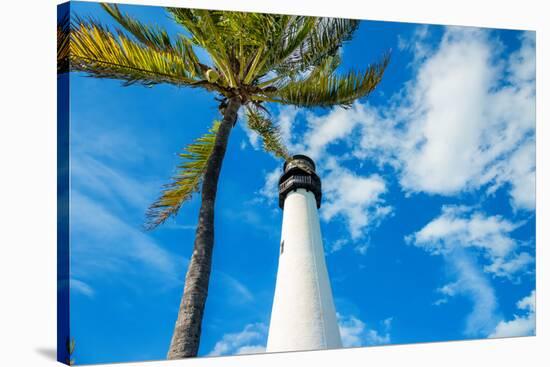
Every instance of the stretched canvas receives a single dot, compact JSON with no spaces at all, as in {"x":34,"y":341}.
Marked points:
{"x":236,"y":183}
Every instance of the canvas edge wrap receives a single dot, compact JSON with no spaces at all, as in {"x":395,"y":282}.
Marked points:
{"x":63,"y":186}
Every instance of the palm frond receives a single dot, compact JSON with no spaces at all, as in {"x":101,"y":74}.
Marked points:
{"x":63,"y":44}
{"x":186,"y":181}
{"x":208,"y":32}
{"x":101,"y":54}
{"x":254,"y":40}
{"x":269,"y":133}
{"x":323,"y":88}
{"x":245,"y":47}
{"x":154,"y":37}
{"x":308,"y":49}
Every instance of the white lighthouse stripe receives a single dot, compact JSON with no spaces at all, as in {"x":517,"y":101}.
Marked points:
{"x":318,"y":287}
{"x":303,"y":315}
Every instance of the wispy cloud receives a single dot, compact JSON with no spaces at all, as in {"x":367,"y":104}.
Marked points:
{"x":110,"y":184}
{"x":465,"y":238}
{"x":78,"y":286}
{"x":238,"y":291}
{"x":522,"y":325}
{"x":464,"y":227}
{"x":416,"y":44}
{"x":473,"y":284}
{"x":469,"y":281}
{"x":103,"y":243}
{"x":252,"y":339}
{"x":270,"y":191}
{"x":251,"y":215}
{"x":355,"y":333}
{"x":106,"y":140}
{"x":108,"y":202}
{"x":337,"y":245}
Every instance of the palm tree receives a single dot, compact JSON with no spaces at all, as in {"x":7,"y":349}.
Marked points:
{"x":255,"y":59}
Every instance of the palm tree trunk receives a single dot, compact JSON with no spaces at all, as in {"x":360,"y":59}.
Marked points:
{"x":187,"y":333}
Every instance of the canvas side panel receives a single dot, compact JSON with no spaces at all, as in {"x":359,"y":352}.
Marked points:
{"x":63,"y":253}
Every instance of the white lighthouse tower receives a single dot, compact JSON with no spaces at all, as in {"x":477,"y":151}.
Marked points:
{"x":303,"y":316}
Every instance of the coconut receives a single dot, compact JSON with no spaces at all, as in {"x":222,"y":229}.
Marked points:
{"x":212,"y":75}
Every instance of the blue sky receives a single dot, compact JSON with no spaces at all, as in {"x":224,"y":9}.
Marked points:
{"x":428,"y":215}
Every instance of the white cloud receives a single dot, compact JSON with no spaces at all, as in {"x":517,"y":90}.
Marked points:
{"x":448,"y":290}
{"x":362,"y":248}
{"x":355,"y":333}
{"x":358,"y":199}
{"x":416,"y":44}
{"x":250,"y":340}
{"x":251,"y":349}
{"x":387,"y":323}
{"x":473,"y":284}
{"x":462,"y":227}
{"x":451,"y":125}
{"x":351,"y":331}
{"x":253,"y":137}
{"x":286,"y":119}
{"x":465,"y":237}
{"x":81,"y":287}
{"x":519,"y":172}
{"x":338,"y":245}
{"x":374,"y":338}
{"x":505,"y":268}
{"x":465,"y":120}
{"x":520,"y":325}
{"x":270,"y":190}
{"x":328,"y":129}
{"x":522,"y":65}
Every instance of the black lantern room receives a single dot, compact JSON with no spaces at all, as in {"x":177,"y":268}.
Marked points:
{"x":299,"y":173}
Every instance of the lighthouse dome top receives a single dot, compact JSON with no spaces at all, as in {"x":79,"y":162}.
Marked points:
{"x":299,"y":160}
{"x":299,"y":173}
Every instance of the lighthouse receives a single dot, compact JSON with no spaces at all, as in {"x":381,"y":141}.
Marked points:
{"x":303,"y":315}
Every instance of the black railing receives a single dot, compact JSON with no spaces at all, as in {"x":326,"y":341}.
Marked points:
{"x":295,"y":179}
{"x":294,"y":182}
